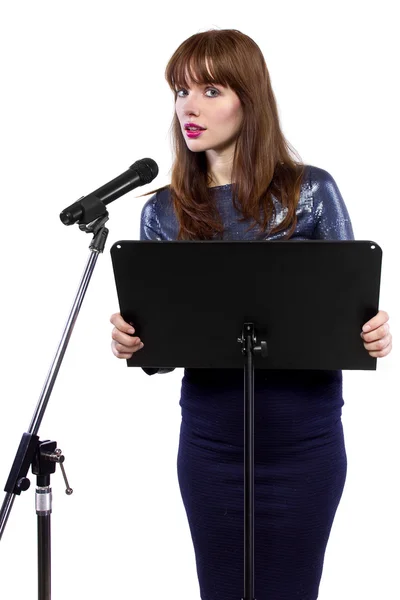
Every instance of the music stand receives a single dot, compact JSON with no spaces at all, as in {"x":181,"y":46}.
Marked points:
{"x":296,"y":305}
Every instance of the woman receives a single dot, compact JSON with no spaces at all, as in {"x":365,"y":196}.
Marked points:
{"x":233,"y":178}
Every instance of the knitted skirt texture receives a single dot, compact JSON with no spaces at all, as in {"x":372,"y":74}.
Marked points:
{"x":299,"y":471}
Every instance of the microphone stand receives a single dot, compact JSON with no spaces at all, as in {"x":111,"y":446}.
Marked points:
{"x":43,"y":456}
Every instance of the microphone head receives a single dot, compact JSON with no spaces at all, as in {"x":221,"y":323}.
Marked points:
{"x":146,"y":168}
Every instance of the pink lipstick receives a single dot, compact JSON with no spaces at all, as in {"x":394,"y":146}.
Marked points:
{"x":193,"y":130}
{"x":193,"y":134}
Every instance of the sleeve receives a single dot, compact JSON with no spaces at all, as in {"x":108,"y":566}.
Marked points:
{"x":149,"y":230}
{"x":331,"y":217}
{"x":149,"y":226}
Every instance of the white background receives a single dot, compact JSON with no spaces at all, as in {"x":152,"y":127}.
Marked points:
{"x":83,"y":96}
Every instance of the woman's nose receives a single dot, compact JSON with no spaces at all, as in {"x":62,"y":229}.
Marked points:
{"x":191,"y":106}
{"x":190,"y":109}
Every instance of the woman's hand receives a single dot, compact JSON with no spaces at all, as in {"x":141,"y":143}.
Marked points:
{"x":376,"y":335}
{"x":123,"y":344}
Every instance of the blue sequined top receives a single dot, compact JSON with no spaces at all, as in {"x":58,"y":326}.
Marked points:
{"x":321,"y":215}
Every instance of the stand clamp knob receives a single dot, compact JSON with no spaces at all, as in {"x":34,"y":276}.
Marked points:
{"x":58,"y":457}
{"x":23,"y":484}
{"x":261,"y":349}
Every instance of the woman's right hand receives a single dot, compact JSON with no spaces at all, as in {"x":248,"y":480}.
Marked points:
{"x":124,"y":343}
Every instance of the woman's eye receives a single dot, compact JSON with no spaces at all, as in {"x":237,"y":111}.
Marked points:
{"x":181,"y":93}
{"x":213,"y":90}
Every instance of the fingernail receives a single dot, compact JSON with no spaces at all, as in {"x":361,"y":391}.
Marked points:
{"x":366,"y":327}
{"x":131,"y":330}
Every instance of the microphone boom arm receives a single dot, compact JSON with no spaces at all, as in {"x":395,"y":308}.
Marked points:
{"x":91,"y":214}
{"x":31,"y":450}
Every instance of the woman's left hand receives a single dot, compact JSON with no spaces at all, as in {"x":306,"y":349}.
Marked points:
{"x":376,"y":335}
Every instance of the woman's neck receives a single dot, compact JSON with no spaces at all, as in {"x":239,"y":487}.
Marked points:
{"x":220,"y":167}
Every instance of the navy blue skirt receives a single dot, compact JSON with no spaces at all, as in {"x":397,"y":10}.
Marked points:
{"x":300,"y":471}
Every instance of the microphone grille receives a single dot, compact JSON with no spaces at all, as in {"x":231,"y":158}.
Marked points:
{"x":146,"y":168}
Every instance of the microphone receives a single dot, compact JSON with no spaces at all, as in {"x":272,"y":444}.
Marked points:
{"x":141,"y":172}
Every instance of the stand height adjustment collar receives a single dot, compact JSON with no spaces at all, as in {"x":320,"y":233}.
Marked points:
{"x":44,"y":465}
{"x":248,"y":341}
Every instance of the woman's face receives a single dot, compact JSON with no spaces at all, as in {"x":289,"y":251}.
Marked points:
{"x":216,"y":109}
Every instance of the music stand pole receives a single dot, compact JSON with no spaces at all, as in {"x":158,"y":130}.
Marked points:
{"x":248,"y":341}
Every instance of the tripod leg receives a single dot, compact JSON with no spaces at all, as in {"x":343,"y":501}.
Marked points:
{"x":43,"y":511}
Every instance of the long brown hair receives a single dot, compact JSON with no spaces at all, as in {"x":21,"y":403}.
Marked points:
{"x":262,"y":164}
